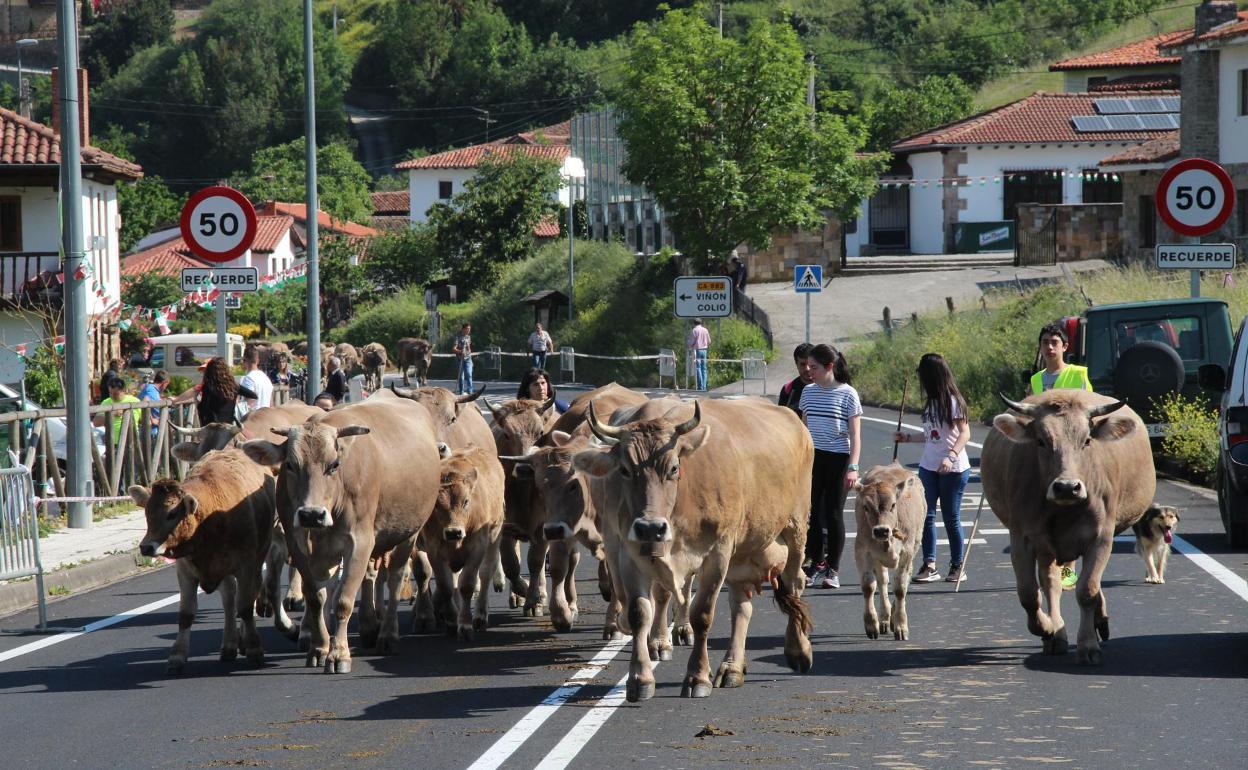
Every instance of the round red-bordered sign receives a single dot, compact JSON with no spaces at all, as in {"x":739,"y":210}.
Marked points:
{"x":1195,"y":197}
{"x":218,"y":223}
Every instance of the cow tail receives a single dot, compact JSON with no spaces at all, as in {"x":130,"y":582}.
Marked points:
{"x":792,"y":605}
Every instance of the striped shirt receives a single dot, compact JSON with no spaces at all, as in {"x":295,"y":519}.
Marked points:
{"x":827,"y":413}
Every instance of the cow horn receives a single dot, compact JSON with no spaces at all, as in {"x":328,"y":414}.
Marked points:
{"x":470,"y":396}
{"x":185,"y":431}
{"x":1018,"y":406}
{"x":1104,"y":409}
{"x":692,"y":422}
{"x":281,"y":431}
{"x":402,"y":392}
{"x":352,"y":430}
{"x":606,"y":433}
{"x":546,"y":405}
{"x":519,"y":458}
{"x":494,"y":410}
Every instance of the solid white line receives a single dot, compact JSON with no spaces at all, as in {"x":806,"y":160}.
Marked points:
{"x":579,"y":736}
{"x":17,"y":652}
{"x":1206,"y":562}
{"x":514,"y":738}
{"x":911,"y":427}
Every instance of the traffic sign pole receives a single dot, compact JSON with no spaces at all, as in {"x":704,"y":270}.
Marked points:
{"x":313,"y":211}
{"x":1195,"y":273}
{"x":222,"y":344}
{"x":808,"y":319}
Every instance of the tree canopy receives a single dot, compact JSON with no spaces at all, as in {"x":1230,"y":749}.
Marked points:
{"x":280,"y":174}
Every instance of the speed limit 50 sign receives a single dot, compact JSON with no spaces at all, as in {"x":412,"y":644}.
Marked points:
{"x":218,"y":223}
{"x":1195,"y":197}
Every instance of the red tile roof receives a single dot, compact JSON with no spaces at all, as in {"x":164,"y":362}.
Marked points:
{"x":300,"y":212}
{"x":1141,"y":53}
{"x":1040,"y":118}
{"x":390,"y":223}
{"x":1138,"y":83}
{"x":559,"y":133}
{"x":270,"y":231}
{"x":1159,"y":150}
{"x":471,"y":157}
{"x":24,"y":141}
{"x":547,"y":228}
{"x":166,"y":258}
{"x":391,"y":203}
{"x":1220,"y":34}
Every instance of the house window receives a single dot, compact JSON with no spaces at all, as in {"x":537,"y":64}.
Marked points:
{"x":1101,"y":188}
{"x":444,"y":191}
{"x":1093,"y":82}
{"x":1243,"y":92}
{"x":1148,"y":222}
{"x":1036,"y":186}
{"x":10,"y":223}
{"x":1241,"y":201}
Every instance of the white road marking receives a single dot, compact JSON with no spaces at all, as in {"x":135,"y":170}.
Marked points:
{"x":910,"y":427}
{"x":17,"y":652}
{"x":514,"y":738}
{"x":579,"y":736}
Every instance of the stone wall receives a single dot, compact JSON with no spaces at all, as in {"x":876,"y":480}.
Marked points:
{"x":1198,"y":121}
{"x":953,"y":204}
{"x":789,"y":248}
{"x":1084,"y":230}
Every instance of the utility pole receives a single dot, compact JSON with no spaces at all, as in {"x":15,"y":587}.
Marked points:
{"x":719,"y":18}
{"x":487,"y":120}
{"x":313,"y":210}
{"x":78,"y":447}
{"x":810,"y":88}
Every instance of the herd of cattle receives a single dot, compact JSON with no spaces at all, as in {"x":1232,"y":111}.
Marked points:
{"x":414,"y":484}
{"x":415,"y":355}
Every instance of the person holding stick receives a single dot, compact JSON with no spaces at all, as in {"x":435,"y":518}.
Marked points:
{"x":944,"y":468}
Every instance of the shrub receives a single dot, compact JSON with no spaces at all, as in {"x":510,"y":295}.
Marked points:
{"x":401,"y":315}
{"x":43,"y":377}
{"x":246,"y":331}
{"x":1192,"y":437}
{"x":179,"y":385}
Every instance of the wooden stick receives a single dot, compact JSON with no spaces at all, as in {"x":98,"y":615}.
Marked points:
{"x":905,"y":390}
{"x":966,"y":555}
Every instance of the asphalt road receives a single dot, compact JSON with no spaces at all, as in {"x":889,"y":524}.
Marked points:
{"x":969,"y":688}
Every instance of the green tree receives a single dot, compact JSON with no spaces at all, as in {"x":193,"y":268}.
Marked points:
{"x":279,"y":173}
{"x":124,"y":29}
{"x":341,"y":280}
{"x":409,"y":256}
{"x":901,"y":112}
{"x":719,"y":131}
{"x":146,"y":206}
{"x":491,"y":222}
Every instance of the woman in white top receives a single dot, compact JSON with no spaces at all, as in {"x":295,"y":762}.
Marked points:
{"x":945,"y":468}
{"x":833,"y":414}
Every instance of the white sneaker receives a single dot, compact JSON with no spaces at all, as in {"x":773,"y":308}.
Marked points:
{"x":928,"y":574}
{"x":830,"y":579}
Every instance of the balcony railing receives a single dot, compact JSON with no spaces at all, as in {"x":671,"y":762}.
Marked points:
{"x":20,"y":276}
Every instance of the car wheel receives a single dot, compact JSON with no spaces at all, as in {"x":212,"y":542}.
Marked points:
{"x":1146,"y":372}
{"x":1234,"y":509}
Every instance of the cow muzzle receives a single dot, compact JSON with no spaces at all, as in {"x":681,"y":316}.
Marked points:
{"x":1067,"y":491}
{"x":314,"y":517}
{"x":453,"y":534}
{"x":881,"y":533}
{"x":150,"y":549}
{"x":650,"y":531}
{"x":557,"y":531}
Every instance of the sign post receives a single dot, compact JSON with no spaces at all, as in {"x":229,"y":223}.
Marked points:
{"x":219,"y":224}
{"x":1195,"y":197}
{"x":808,"y":280}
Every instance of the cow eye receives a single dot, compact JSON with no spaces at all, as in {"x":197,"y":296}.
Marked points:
{"x":571,"y":487}
{"x":465,"y":505}
{"x":1087,"y":442}
{"x":333,"y":468}
{"x":626,"y":472}
{"x":674,"y":473}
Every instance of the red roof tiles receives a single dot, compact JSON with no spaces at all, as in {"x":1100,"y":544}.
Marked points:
{"x":1141,"y":53}
{"x":1159,"y":150}
{"x":166,"y":258}
{"x":1040,"y":118}
{"x":1219,"y":34}
{"x":471,"y":157}
{"x":24,"y":141}
{"x":300,"y":212}
{"x":1138,"y":83}
{"x":270,"y":231}
{"x":391,"y":203}
{"x":547,"y":228}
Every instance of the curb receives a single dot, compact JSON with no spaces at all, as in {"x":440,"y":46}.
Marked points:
{"x":18,"y":596}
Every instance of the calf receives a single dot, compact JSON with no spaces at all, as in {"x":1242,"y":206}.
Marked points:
{"x":889,"y":513}
{"x":217,"y":525}
{"x":462,"y":535}
{"x":418,"y":354}
{"x":373,"y":357}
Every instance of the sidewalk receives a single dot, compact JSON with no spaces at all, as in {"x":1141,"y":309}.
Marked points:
{"x":849,"y":307}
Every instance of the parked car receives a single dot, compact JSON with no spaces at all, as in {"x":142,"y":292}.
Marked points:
{"x":13,"y":401}
{"x":1232,"y":469}
{"x":181,"y":354}
{"x":1142,"y":352}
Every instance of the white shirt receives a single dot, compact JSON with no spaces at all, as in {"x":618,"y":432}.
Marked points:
{"x":940,"y":440}
{"x":827,"y":413}
{"x":538,"y":341}
{"x":259,"y":384}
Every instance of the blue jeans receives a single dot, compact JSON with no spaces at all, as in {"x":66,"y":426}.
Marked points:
{"x":539,"y":359}
{"x":700,"y":355}
{"x":948,"y":487}
{"x":464,"y":383}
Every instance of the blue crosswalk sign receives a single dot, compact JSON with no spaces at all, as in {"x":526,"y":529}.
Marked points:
{"x":808,"y":279}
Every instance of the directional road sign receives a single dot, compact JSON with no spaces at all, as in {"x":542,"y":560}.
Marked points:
{"x":1196,"y":256}
{"x":218,"y":223}
{"x":703,"y":296}
{"x":808,"y":279}
{"x":1195,"y":197}
{"x":227,"y":279}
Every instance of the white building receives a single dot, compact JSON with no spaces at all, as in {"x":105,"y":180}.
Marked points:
{"x":276,"y":247}
{"x":955,"y":187}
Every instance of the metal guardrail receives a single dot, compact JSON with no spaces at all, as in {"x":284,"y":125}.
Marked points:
{"x":567,"y":364}
{"x":19,"y":536}
{"x":753,"y":367}
{"x":667,"y":366}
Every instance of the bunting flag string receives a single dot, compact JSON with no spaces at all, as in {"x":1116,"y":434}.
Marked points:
{"x":204,"y":297}
{"x":982,"y":181}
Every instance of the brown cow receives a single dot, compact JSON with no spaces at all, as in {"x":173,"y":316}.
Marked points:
{"x":889,"y":513}
{"x":217,"y":525}
{"x":374,"y":358}
{"x":356,"y":484}
{"x":418,"y":353}
{"x":346,"y":352}
{"x":519,"y":424}
{"x":723,"y":493}
{"x":462,"y":536}
{"x":1066,"y":473}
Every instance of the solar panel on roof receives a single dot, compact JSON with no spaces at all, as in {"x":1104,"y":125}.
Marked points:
{"x":1171,"y":103}
{"x":1087,"y":123}
{"x":1137,"y":105}
{"x":1160,"y":122}
{"x":1112,"y":106}
{"x":1124,"y":122}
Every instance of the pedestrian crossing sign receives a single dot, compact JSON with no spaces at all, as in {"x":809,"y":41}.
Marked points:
{"x":808,"y":279}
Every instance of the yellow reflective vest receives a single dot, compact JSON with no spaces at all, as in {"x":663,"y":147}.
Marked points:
{"x":1070,"y":377}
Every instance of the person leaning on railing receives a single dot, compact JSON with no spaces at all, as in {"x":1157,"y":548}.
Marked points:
{"x":217,"y":394}
{"x":117,"y":395}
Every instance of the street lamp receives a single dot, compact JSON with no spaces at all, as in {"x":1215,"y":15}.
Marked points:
{"x":573,"y":168}
{"x":25,"y":42}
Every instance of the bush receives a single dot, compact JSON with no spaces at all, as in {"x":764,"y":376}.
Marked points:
{"x":43,"y":377}
{"x":1192,"y":438}
{"x":401,"y":315}
{"x":246,"y":331}
{"x":178,"y":385}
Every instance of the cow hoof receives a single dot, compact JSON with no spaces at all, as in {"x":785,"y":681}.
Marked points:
{"x":1091,"y":657}
{"x":264,"y":610}
{"x":424,"y":625}
{"x":611,"y":634}
{"x":1150,"y":580}
{"x":315,"y":659}
{"x":638,"y":691}
{"x":465,"y":633}
{"x":255,"y":658}
{"x":729,"y":677}
{"x":901,"y":634}
{"x":387,"y":645}
{"x":176,"y":664}
{"x":340,"y":666}
{"x":1056,"y":645}
{"x":562,"y":625}
{"x":291,"y":633}
{"x":535,"y":610}
{"x":292,"y":604}
{"x":663,"y":654}
{"x":229,"y":653}
{"x":800,"y":661}
{"x":1102,"y":629}
{"x":498,"y":584}
{"x":514,"y":601}
{"x":873,"y":631}
{"x":682,"y":635}
{"x":695,"y":688}
{"x":480,"y":624}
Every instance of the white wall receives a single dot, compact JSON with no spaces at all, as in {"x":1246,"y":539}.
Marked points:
{"x":855,"y":241}
{"x":1232,"y":127}
{"x":1077,"y":81}
{"x":17,"y":328}
{"x":926,"y":205}
{"x":422,"y":188}
{"x":101,"y":217}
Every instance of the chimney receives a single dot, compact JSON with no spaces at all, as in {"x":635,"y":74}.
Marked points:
{"x":84,"y":105}
{"x":1214,"y":13}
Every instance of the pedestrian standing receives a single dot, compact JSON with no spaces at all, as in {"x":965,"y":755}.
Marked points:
{"x":833,"y":415}
{"x":463,"y":352}
{"x":945,"y":467}
{"x":154,"y":390}
{"x":218,"y":393}
{"x":336,"y":382}
{"x":256,"y":380}
{"x":540,"y":344}
{"x":117,"y":395}
{"x":698,"y":345}
{"x":791,"y":391}
{"x":739,"y":272}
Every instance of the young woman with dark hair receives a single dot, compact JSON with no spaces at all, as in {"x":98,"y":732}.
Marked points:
{"x":218,"y":394}
{"x":944,"y":468}
{"x":536,"y":385}
{"x":833,"y":415}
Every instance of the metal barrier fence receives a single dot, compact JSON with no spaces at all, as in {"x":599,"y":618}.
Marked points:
{"x":567,"y":364}
{"x":753,"y":367}
{"x":19,"y":534}
{"x":747,"y":309}
{"x":667,"y":366}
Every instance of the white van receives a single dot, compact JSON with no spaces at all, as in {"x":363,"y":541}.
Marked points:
{"x":182,"y":354}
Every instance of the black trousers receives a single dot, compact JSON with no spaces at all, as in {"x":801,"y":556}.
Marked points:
{"x":827,"y":506}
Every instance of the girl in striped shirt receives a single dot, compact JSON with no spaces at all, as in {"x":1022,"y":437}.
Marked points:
{"x":833,"y":414}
